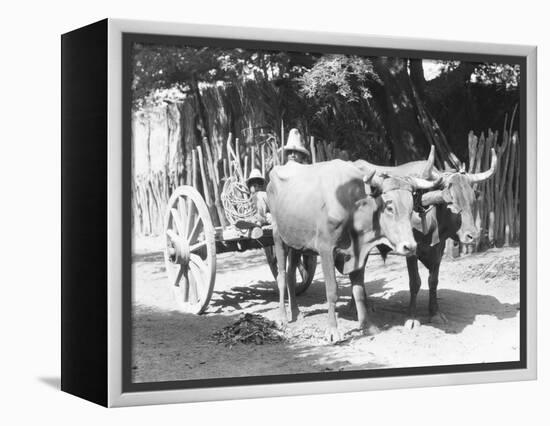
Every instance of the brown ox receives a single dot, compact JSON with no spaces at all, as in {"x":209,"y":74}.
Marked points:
{"x":327,"y":209}
{"x":449,"y":214}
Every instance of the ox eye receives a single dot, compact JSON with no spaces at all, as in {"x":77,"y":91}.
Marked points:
{"x":389,"y":207}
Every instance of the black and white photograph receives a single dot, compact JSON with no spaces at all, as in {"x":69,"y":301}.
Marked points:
{"x":313,"y":212}
{"x":245,"y":212}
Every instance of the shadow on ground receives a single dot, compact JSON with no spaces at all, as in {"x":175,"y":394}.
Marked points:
{"x":237,"y":261}
{"x":264,"y":293}
{"x":170,"y":345}
{"x":460,"y":308}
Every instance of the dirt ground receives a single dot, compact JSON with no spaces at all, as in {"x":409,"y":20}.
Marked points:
{"x":479,"y":294}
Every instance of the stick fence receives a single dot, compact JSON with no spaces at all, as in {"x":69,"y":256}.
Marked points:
{"x":497,"y":208}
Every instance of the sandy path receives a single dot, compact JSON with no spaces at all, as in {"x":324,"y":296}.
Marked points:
{"x":479,"y":294}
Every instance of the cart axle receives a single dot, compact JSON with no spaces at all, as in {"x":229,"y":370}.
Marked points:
{"x":179,"y":251}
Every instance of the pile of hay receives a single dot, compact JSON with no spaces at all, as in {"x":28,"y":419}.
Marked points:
{"x":504,"y":267}
{"x":249,"y":328}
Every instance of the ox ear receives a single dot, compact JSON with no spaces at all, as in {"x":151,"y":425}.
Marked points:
{"x":377,"y":182}
{"x":436,"y":197}
{"x":480,"y":177}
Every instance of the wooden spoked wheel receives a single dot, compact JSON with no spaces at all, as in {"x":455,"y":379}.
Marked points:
{"x":303,"y":273}
{"x":190,"y":250}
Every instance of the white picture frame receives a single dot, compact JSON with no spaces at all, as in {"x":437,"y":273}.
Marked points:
{"x":116,"y":394}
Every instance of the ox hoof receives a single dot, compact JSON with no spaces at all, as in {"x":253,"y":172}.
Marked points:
{"x":282,"y":323}
{"x":439,"y":318}
{"x":333,"y":335}
{"x":412,"y":324}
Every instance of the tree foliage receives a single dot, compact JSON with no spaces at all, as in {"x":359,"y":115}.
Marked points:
{"x":339,"y":75}
{"x":370,"y":106}
{"x":488,"y":74}
{"x":504,"y":75}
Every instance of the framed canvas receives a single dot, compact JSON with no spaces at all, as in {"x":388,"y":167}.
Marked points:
{"x":385,"y":187}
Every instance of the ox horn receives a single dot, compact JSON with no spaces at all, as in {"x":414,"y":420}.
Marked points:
{"x":480,"y":177}
{"x":419,"y":183}
{"x":374,"y":180}
{"x":427,"y":173}
{"x":377,"y":180}
{"x":368,"y":177}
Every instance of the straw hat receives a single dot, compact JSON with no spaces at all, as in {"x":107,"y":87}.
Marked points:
{"x":295,"y":143}
{"x":255,"y":174}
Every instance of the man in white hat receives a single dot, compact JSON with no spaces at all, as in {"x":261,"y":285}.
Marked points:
{"x":258,"y":197}
{"x":295,"y":149}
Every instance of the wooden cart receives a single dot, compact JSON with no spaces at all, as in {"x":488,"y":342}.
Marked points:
{"x":192,"y":243}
